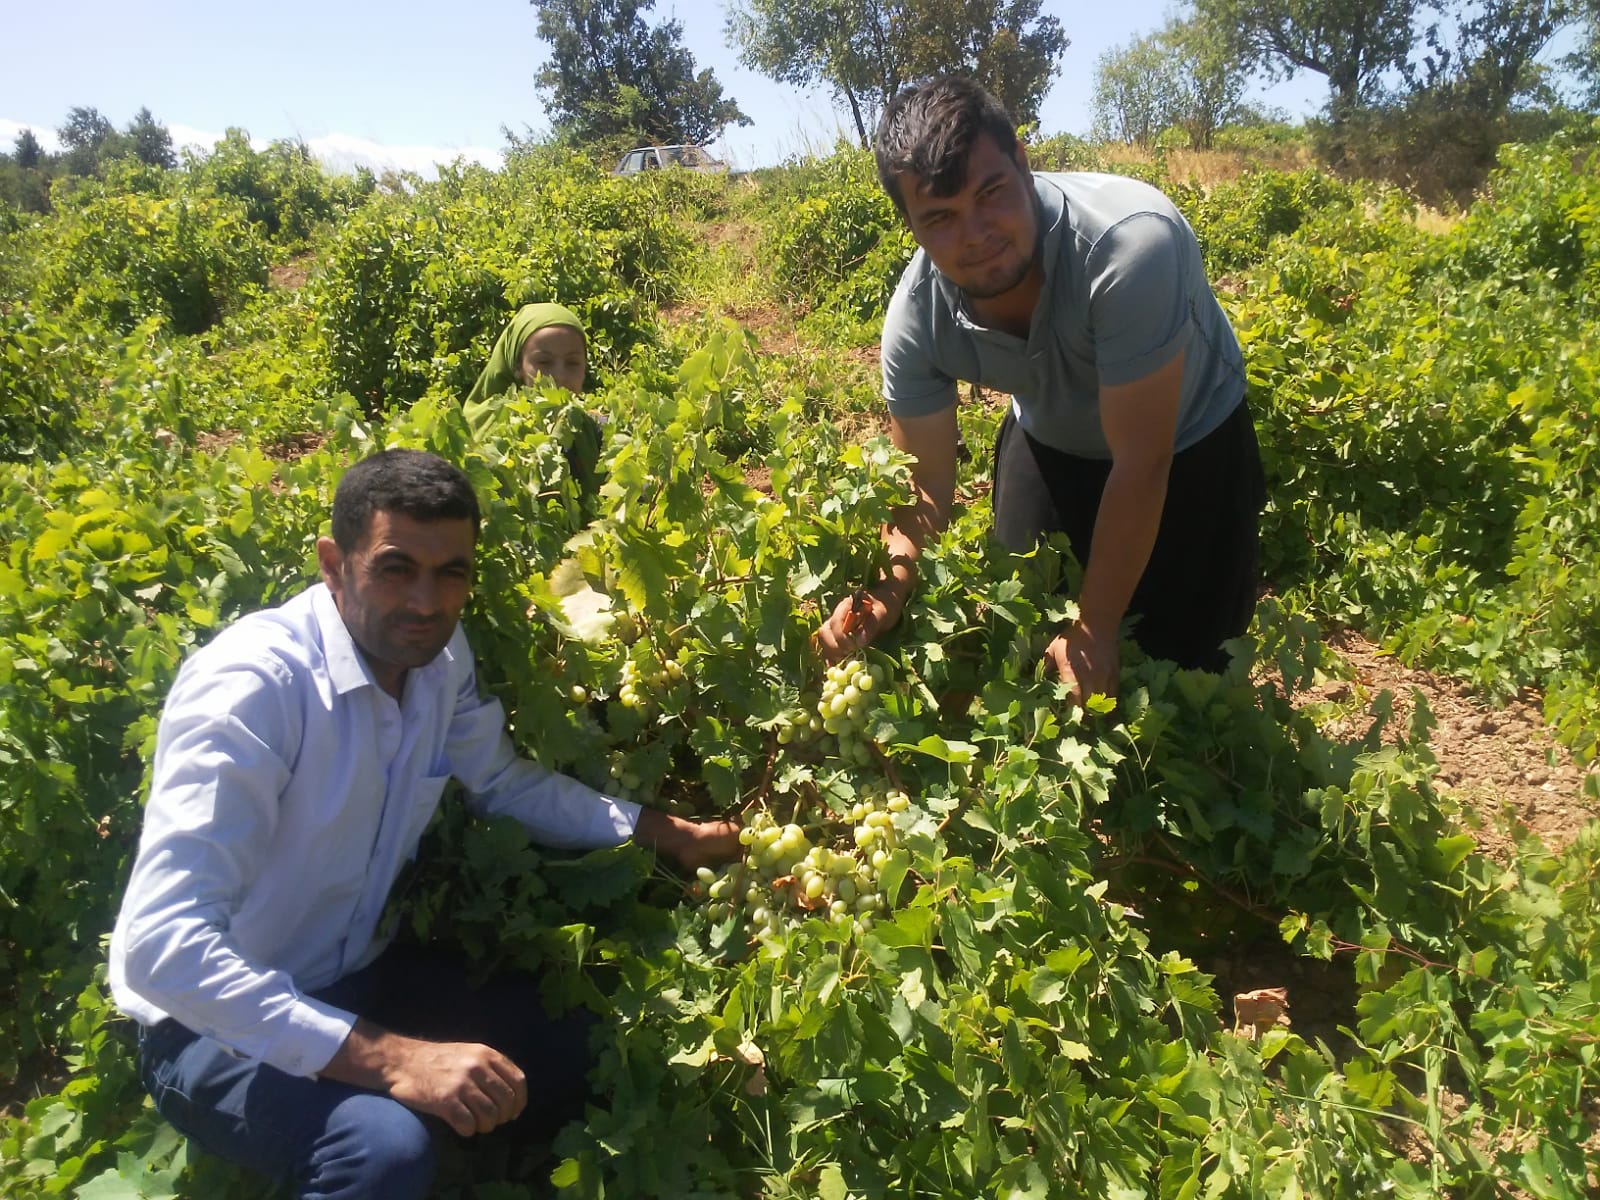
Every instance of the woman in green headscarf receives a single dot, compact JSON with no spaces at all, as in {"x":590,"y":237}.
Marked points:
{"x":542,"y":341}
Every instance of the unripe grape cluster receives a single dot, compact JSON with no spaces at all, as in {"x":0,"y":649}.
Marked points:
{"x":831,"y":870}
{"x":798,"y":726}
{"x":638,"y":687}
{"x":625,"y":781}
{"x":848,"y":699}
{"x":849,"y":695}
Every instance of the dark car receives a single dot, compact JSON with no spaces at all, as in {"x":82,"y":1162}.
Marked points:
{"x":653,"y":158}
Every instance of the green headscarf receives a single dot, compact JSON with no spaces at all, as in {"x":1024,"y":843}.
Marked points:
{"x":576,"y":427}
{"x":501,"y":372}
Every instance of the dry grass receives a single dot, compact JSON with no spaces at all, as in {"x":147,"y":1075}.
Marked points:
{"x":1431,"y":220}
{"x":1426,"y":218}
{"x":1208,"y":168}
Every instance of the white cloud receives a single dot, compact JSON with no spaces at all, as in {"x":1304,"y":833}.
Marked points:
{"x":10,"y":129}
{"x":339,"y":152}
{"x":342,"y":152}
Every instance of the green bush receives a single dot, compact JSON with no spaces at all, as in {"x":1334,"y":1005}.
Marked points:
{"x":843,"y":242}
{"x":1537,"y":227}
{"x":1259,"y":137}
{"x":282,"y":188}
{"x":1065,"y":152}
{"x":414,"y":289}
{"x":121,"y":258}
{"x":47,"y":373}
{"x":1237,"y":221}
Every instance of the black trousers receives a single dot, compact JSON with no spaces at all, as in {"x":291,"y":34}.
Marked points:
{"x":1199,"y":588}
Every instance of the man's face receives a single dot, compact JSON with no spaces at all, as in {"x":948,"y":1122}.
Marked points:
{"x":401,"y":591}
{"x":984,"y":237}
{"x":555,"y":352}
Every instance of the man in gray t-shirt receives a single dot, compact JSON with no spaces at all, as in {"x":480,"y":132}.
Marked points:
{"x":1084,"y":297}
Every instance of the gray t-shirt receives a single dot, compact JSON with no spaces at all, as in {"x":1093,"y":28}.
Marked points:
{"x":1124,"y":291}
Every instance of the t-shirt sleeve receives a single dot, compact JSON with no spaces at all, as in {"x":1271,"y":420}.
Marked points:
{"x":913,"y":385}
{"x":1138,"y":296}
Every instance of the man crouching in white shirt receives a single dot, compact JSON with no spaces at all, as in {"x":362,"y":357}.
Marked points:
{"x":300,"y":756}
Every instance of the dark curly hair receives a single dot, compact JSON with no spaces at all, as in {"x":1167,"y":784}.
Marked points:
{"x":929,"y":130}
{"x":421,"y":486}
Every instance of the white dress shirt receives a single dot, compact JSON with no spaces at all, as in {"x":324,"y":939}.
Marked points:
{"x":288,"y":792}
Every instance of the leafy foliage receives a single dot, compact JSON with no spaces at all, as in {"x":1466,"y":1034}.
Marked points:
{"x":1009,"y":47}
{"x":1182,"y":76}
{"x":414,"y":290}
{"x":1505,"y":599}
{"x":1025,"y":1014}
{"x":150,"y":142}
{"x":282,"y":189}
{"x":842,"y":245}
{"x":1353,"y":42}
{"x":124,"y":257}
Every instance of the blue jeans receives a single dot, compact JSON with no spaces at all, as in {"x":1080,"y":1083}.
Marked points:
{"x":334,"y":1140}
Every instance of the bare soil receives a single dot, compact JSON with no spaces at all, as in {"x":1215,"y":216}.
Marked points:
{"x":1499,"y":763}
{"x":292,"y":446}
{"x":292,"y":275}
{"x":209,"y":442}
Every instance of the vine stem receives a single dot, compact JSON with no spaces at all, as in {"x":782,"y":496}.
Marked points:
{"x":1394,"y":947}
{"x":762,"y":788}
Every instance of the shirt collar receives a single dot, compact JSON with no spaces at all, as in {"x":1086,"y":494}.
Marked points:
{"x":1052,"y":222}
{"x":347,"y":668}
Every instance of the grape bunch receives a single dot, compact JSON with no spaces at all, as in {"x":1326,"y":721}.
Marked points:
{"x":625,"y":781}
{"x":830,"y":869}
{"x":847,"y":699}
{"x":798,"y":726}
{"x":638,"y":686}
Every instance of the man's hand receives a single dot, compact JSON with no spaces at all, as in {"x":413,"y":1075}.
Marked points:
{"x":693,"y":844}
{"x":471,"y":1087}
{"x":859,"y":618}
{"x":1087,"y":663}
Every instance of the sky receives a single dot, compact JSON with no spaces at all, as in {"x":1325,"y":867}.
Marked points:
{"x":406,"y":84}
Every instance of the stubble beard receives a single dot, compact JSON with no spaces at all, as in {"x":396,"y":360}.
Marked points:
{"x":989,"y":290}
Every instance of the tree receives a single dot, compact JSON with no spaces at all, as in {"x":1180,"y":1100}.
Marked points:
{"x":610,"y":74}
{"x":1182,"y":75}
{"x":1497,"y":44}
{"x":1135,"y":92}
{"x":86,"y":129}
{"x":847,"y":45}
{"x":1584,"y":62}
{"x":27,"y":149}
{"x":1003,"y":44}
{"x":150,"y":142}
{"x":1353,"y":42}
{"x":864,"y":51}
{"x":88,"y":141}
{"x":1211,"y":80}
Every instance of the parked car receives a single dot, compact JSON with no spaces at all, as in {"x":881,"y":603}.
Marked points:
{"x":652,"y":158}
